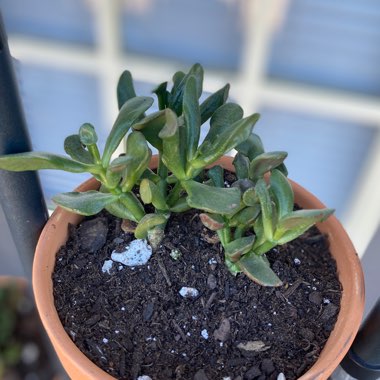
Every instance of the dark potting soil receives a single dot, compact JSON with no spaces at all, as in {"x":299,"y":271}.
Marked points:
{"x":134,"y":322}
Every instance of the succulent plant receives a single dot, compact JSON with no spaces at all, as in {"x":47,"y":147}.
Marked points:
{"x":250,"y":217}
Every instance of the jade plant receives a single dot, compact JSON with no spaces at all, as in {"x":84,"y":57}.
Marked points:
{"x":251,"y":215}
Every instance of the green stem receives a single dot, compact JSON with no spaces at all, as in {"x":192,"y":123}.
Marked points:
{"x":93,"y":149}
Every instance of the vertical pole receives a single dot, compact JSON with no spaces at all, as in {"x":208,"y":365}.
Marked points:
{"x":20,"y":193}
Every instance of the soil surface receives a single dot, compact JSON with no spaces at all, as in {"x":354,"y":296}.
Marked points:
{"x":133,"y":321}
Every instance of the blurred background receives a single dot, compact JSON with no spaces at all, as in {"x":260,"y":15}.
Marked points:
{"x":310,"y":67}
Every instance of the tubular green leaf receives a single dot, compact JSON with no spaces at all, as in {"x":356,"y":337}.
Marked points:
{"x":87,"y":134}
{"x":151,"y":126}
{"x":148,"y":222}
{"x":241,"y":163}
{"x":74,"y":148}
{"x":296,"y":223}
{"x":162,"y":95}
{"x":258,"y":270}
{"x":212,"y":199}
{"x":125,"y":89}
{"x":265,"y":162}
{"x":138,"y":155}
{"x":150,"y":193}
{"x":213,"y":102}
{"x":221,"y":140}
{"x":40,"y":160}
{"x":129,"y":113}
{"x":283,"y":193}
{"x":87,"y":203}
{"x":246,"y":216}
{"x":239,"y":247}
{"x":251,"y":147}
{"x":216,"y":174}
{"x":192,"y":117}
{"x":250,"y":197}
{"x":173,"y":151}
{"x":266,"y":208}
{"x":214,"y":222}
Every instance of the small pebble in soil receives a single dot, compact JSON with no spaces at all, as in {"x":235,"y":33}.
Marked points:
{"x":204,"y":334}
{"x":138,"y":252}
{"x":187,"y":292}
{"x":107,"y":266}
{"x":297,"y":261}
{"x":93,"y":234}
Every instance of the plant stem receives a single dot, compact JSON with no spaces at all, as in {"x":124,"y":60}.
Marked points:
{"x":93,"y":149}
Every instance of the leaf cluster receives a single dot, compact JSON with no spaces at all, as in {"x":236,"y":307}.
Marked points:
{"x":250,"y":217}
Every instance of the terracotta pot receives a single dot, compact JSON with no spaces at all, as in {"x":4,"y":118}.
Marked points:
{"x":78,"y":366}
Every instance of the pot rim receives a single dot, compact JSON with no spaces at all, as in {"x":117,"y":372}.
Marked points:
{"x":338,"y":343}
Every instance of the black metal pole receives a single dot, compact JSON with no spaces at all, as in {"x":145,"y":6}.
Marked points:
{"x":363,"y":359}
{"x":20,"y":193}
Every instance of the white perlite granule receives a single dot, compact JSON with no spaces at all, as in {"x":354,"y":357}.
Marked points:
{"x":204,"y":334}
{"x":144,"y":377}
{"x":107,"y":266}
{"x":138,"y":252}
{"x":188,"y":292}
{"x":281,"y":376}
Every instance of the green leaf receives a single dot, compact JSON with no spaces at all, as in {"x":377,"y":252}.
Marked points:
{"x":74,"y":148}
{"x":283,"y":169}
{"x":297,"y":222}
{"x":179,"y":79}
{"x":264,"y":163}
{"x":282,"y":192}
{"x":243,"y":184}
{"x":258,"y":270}
{"x":239,"y":247}
{"x":150,"y":193}
{"x":216,"y":174}
{"x":173,"y":151}
{"x":213,"y":102}
{"x":129,"y":113}
{"x":214,"y":222}
{"x":221,"y":140}
{"x":192,"y":117}
{"x":119,"y":210}
{"x":266,"y":208}
{"x":151,"y":125}
{"x":125,"y":89}
{"x":148,"y":222}
{"x":162,"y":95}
{"x":138,"y":155}
{"x":241,"y":163}
{"x":212,"y":199}
{"x":20,"y":162}
{"x":251,"y":147}
{"x":250,"y":197}
{"x":87,"y":134}
{"x":246,"y":216}
{"x":87,"y":203}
